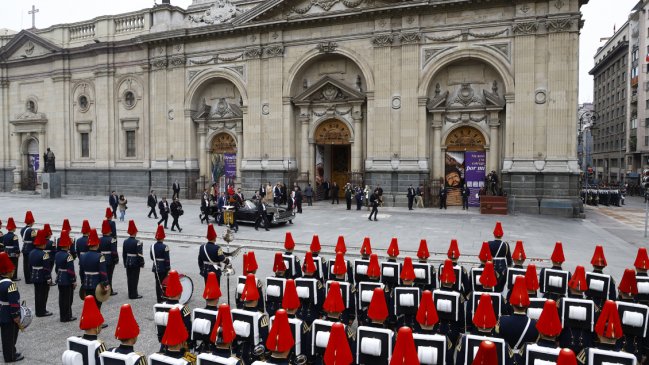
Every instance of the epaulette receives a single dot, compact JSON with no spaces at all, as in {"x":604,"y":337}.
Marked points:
{"x":264,"y":321}
{"x":142,"y":360}
{"x":220,"y":251}
{"x":139,"y":243}
{"x":186,"y":311}
{"x":12,"y":288}
{"x":102,"y":259}
{"x":46,"y":256}
{"x":497,"y":329}
{"x":351,"y":333}
{"x":70,"y":258}
{"x":458,"y":348}
{"x":320,"y":286}
{"x":166,"y":248}
{"x":449,"y":343}
{"x":510,"y":352}
{"x":191,"y":358}
{"x":305,"y":327}
{"x":15,"y":238}
{"x":102,"y":347}
{"x":582,"y":356}
{"x":353,"y":289}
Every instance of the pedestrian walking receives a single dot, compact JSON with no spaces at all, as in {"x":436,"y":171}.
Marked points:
{"x":348,"y":196}
{"x":298,"y":199}
{"x":121,"y":205}
{"x":326,"y":187}
{"x":334,"y":193}
{"x":411,"y":196}
{"x":374,"y":202}
{"x":175,"y":187}
{"x":113,"y":201}
{"x":419,"y":196}
{"x":308,"y":193}
{"x":442,"y":197}
{"x":152,"y":202}
{"x":359,"y":198}
{"x":163,"y":207}
{"x":261,"y":216}
{"x":176,"y":212}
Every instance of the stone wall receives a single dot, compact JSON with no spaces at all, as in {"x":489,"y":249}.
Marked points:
{"x":550,"y":193}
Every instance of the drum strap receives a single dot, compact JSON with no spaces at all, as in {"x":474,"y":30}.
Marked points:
{"x":216,"y":266}
{"x":520,"y":339}
{"x":499,"y":248}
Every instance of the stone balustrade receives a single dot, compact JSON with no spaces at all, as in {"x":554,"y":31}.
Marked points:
{"x":82,"y":31}
{"x":129,"y":23}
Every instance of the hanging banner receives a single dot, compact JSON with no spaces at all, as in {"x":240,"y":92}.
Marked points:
{"x":230,"y":162}
{"x":474,"y":175}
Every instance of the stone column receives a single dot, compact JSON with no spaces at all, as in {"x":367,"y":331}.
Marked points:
{"x":239,"y":134}
{"x":202,"y":153}
{"x":41,"y":152}
{"x":18,"y":161}
{"x":311,"y":162}
{"x":357,"y":145}
{"x":493,"y":144}
{"x":438,"y":161}
{"x":304,"y":141}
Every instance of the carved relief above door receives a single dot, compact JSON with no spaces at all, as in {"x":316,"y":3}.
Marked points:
{"x":332,"y":132}
{"x":223,"y":143}
{"x":465,"y":139}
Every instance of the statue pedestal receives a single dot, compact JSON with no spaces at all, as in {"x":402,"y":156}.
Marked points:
{"x":51,"y":186}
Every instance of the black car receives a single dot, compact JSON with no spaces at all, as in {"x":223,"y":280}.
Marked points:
{"x":247,"y":213}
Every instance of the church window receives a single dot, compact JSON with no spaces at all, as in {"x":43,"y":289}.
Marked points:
{"x":85,"y":145}
{"x":130,"y":143}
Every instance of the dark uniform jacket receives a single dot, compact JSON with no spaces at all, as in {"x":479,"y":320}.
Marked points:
{"x":108,"y":248}
{"x":41,"y":265}
{"x":92,"y":270}
{"x":209,"y":256}
{"x":12,"y":244}
{"x":65,"y":275}
{"x":10,"y":301}
{"x":160,"y":256}
{"x":132,"y":253}
{"x":81,"y":245}
{"x":246,"y":347}
{"x":27,"y":234}
{"x":517,"y":329}
{"x":99,"y":350}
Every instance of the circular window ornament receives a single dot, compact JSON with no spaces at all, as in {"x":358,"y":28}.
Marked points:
{"x":129,"y":99}
{"x":83,"y":103}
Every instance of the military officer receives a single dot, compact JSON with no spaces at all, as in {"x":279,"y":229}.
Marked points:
{"x":574,"y":336}
{"x":41,"y":276}
{"x":628,"y":288}
{"x":403,"y":314}
{"x":212,"y":292}
{"x":627,"y":291}
{"x":372,"y":275}
{"x":50,"y":247}
{"x":295,"y":271}
{"x":532,"y":281}
{"x":274,"y":300}
{"x":427,"y":317}
{"x":449,"y":326}
{"x":341,"y":247}
{"x":66,"y":278}
{"x":488,"y":283}
{"x":173,"y":291}
{"x":250,"y":266}
{"x":109,"y":217}
{"x":339,"y":273}
{"x":12,"y":245}
{"x":291,"y":304}
{"x":161,"y":261}
{"x":91,"y":323}
{"x":393,"y":253}
{"x":608,"y":330}
{"x":92,"y":267}
{"x":641,"y":265}
{"x":405,"y":352}
{"x":333,"y":307}
{"x":133,"y":260}
{"x":126,"y":332}
{"x":322,"y":271}
{"x":422,"y":256}
{"x":518,"y":256}
{"x":366,"y":251}
{"x":462,"y":284}
{"x":280,"y":340}
{"x":66,"y":227}
{"x":28,"y":234}
{"x":210,"y":255}
{"x":81,"y":243}
{"x":9,"y":310}
{"x":500,"y":252}
{"x":557,"y":259}
{"x":174,"y":339}
{"x":310,"y":309}
{"x":246,"y":345}
{"x":223,"y":336}
{"x":598,"y":261}
{"x":549,"y":326}
{"x":517,"y":329}
{"x":108,"y":248}
{"x":338,"y":349}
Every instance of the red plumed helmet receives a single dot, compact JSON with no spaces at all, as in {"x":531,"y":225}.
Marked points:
{"x":598,"y":257}
{"x":280,"y":337}
{"x":290,"y":301}
{"x":498,"y":230}
{"x":378,"y":309}
{"x":250,"y":292}
{"x":93,"y":238}
{"x":309,"y":265}
{"x":105,"y":228}
{"x":484,"y":316}
{"x":549,"y":323}
{"x":393,"y":249}
{"x":212,"y":289}
{"x":132,"y":228}
{"x":315,"y":244}
{"x":487,"y":354}
{"x":366,"y":247}
{"x":405,"y":352}
{"x":531,"y":279}
{"x":427,"y":313}
{"x":211,"y":233}
{"x":578,"y":279}
{"x":41,"y":238}
{"x":608,"y":325}
{"x":85,"y":227}
{"x":338,"y":351}
{"x":66,"y":225}
{"x":373,"y":267}
{"x":90,"y":315}
{"x":566,"y":357}
{"x":6,"y":266}
{"x":289,"y":243}
{"x":448,"y":274}
{"x":174,"y":288}
{"x":340,"y":245}
{"x":64,"y":239}
{"x":29,"y":217}
{"x":557,"y":254}
{"x":279,"y":264}
{"x":334,"y":301}
{"x":176,"y":332}
{"x":519,"y":252}
{"x":251,"y":263}
{"x":488,"y":278}
{"x":422,"y":252}
{"x":629,"y":284}
{"x":519,"y":296}
{"x":127,"y":327}
{"x":453,"y":250}
{"x":11,"y":225}
{"x":109,"y":213}
{"x":160,"y":233}
{"x":47,"y":229}
{"x":223,"y":329}
{"x":485,"y":252}
{"x":340,"y":266}
{"x":407,"y":270}
{"x":641,"y":259}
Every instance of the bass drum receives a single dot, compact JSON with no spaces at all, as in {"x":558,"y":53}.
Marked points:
{"x":188,"y":288}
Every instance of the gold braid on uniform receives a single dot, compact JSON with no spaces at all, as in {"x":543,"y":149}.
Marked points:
{"x":191,"y":358}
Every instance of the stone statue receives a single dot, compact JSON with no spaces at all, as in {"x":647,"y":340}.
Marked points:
{"x":49,"y":159}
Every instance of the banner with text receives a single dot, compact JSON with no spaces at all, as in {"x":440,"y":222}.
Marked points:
{"x":474,"y":174}
{"x":230,"y":162}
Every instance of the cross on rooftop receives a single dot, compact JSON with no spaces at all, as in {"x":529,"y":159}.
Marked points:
{"x":33,"y":14}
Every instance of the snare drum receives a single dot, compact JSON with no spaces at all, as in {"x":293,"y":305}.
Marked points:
{"x":188,"y":288}
{"x":25,"y":316}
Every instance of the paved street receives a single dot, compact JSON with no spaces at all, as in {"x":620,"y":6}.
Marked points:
{"x":618,"y":229}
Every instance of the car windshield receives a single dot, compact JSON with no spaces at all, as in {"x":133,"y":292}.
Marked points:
{"x":250,"y":205}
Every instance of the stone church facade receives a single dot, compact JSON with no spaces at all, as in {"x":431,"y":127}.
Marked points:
{"x":302,"y":90}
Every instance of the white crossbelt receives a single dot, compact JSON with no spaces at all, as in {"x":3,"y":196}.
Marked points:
{"x":92,"y":273}
{"x":131,"y":254}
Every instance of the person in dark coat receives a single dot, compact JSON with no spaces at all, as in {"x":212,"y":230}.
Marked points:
{"x":133,"y":260}
{"x":92,"y":267}
{"x":12,"y":245}
{"x":152,"y":202}
{"x":261,"y":216}
{"x":411,"y":196}
{"x":442,"y":197}
{"x":161,"y":262}
{"x":298,"y":199}
{"x":9,"y":310}
{"x":176,"y":211}
{"x":163,"y":207}
{"x":374,"y":202}
{"x":65,"y":277}
{"x":466,"y":192}
{"x":348,"y":196}
{"x":113,"y":201}
{"x":334,"y":193}
{"x":41,"y":267}
{"x":308,"y":193}
{"x":176,"y":189}
{"x":28,"y":234}
{"x":108,"y":248}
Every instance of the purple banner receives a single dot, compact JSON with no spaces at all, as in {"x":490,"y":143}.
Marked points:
{"x":230,"y":162}
{"x":474,"y":174}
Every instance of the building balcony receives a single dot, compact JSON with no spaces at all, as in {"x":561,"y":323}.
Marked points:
{"x":634,"y":81}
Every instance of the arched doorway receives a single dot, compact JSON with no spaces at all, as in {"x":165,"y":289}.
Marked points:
{"x":333,"y":153}
{"x":31,"y":163}
{"x":465,"y":162}
{"x":223,"y":159}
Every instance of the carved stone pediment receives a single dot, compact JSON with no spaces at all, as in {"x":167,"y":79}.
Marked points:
{"x":222,"y":11}
{"x":26,"y":45}
{"x":329,"y":91}
{"x":467,"y":96}
{"x":219,"y":109}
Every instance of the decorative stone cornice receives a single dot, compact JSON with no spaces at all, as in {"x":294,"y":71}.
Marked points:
{"x":253,"y":53}
{"x":275,"y":51}
{"x":558,"y":25}
{"x":327,"y":47}
{"x":383,"y":40}
{"x":524,"y":28}
{"x":177,"y":61}
{"x":410,"y":37}
{"x":159,"y":63}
